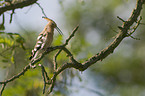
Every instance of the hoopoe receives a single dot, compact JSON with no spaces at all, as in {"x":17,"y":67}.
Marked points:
{"x":44,"y":39}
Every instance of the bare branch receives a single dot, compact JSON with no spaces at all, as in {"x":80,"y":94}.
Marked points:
{"x":41,"y":9}
{"x":134,"y":29}
{"x":72,"y":34}
{"x":55,"y":61}
{"x":17,"y":5}
{"x":16,"y":76}
{"x":120,"y":19}
{"x":2,"y":89}
{"x":124,"y":30}
{"x":2,"y":27}
{"x":121,"y":35}
{"x":11,"y":16}
{"x":134,"y":38}
{"x":44,"y":76}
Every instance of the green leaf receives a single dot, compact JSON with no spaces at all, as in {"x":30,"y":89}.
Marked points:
{"x":57,"y":40}
{"x":12,"y":59}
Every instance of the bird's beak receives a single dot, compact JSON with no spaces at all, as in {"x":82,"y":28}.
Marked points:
{"x":59,"y":31}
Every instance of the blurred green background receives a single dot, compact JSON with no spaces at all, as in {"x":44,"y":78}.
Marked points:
{"x":120,"y":74}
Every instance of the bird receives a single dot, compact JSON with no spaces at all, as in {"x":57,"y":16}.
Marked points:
{"x":44,"y":39}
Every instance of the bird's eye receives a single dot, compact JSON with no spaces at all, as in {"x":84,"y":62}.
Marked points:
{"x":53,"y":24}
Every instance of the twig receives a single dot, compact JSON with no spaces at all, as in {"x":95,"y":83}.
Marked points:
{"x":134,"y":38}
{"x":3,"y":19}
{"x":72,"y":34}
{"x":44,"y":71}
{"x":2,"y":27}
{"x":11,"y":16}
{"x":2,"y":89}
{"x":55,"y":61}
{"x":134,"y":29}
{"x":44,"y":75}
{"x":41,"y":9}
{"x":120,"y":19}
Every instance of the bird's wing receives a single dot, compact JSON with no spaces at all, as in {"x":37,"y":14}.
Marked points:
{"x":41,"y":40}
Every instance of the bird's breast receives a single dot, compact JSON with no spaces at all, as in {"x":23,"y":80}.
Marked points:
{"x":49,"y":40}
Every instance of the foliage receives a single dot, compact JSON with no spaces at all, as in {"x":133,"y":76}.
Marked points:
{"x":28,"y":85}
{"x":9,"y":42}
{"x":121,"y":74}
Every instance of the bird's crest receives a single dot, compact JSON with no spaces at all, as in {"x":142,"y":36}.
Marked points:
{"x":49,"y":20}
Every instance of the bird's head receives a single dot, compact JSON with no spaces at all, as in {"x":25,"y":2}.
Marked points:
{"x":53,"y":24}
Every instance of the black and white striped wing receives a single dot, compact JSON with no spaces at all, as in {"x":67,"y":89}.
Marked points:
{"x":39,"y":45}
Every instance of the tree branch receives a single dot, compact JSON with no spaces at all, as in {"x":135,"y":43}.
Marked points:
{"x":13,"y":78}
{"x":120,"y":36}
{"x":71,"y":35}
{"x":124,"y":31}
{"x":105,"y":52}
{"x":41,"y":9}
{"x":11,"y":16}
{"x":2,"y":89}
{"x":134,"y":29}
{"x":44,"y":73}
{"x":44,"y":76}
{"x":16,"y":6}
{"x":55,"y":61}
